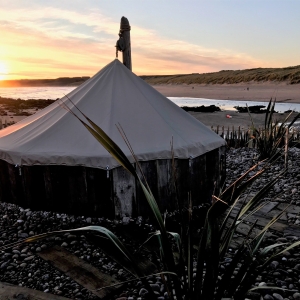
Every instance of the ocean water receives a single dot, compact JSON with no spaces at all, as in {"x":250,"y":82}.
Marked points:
{"x":59,"y":92}
{"x":26,"y":93}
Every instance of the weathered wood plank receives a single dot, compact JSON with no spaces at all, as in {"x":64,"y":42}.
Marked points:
{"x":99,"y":190}
{"x":56,"y":183}
{"x":34,"y":186}
{"x":292,"y":230}
{"x":150,"y":172}
{"x":263,"y":220}
{"x":222,"y":167}
{"x":183,"y":172}
{"x":199,"y":192}
{"x":166,"y":185}
{"x":294,"y":209}
{"x":5,"y":185}
{"x":212,"y":172}
{"x":9,"y":291}
{"x":77,"y":190}
{"x":268,"y":207}
{"x":245,"y":228}
{"x":16,"y":185}
{"x":80,"y":271}
{"x":124,"y":192}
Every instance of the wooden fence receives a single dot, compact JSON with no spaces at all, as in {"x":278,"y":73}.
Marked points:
{"x":244,"y":137}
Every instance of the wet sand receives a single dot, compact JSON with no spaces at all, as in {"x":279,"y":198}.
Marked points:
{"x":238,"y":119}
{"x":283,"y":92}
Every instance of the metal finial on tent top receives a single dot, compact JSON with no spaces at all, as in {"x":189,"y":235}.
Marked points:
{"x":123,"y":43}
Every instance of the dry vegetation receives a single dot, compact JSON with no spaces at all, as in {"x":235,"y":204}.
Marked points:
{"x":290,"y":75}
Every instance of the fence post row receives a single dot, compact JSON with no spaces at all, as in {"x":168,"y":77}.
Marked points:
{"x":244,"y":137}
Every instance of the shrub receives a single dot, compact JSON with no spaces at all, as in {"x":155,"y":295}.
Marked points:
{"x":271,"y":137}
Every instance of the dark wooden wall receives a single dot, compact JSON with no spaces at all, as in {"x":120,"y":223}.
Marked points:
{"x":89,"y":191}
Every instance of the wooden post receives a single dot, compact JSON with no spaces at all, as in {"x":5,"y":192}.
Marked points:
{"x":124,"y":44}
{"x":250,"y":144}
{"x":286,"y":147}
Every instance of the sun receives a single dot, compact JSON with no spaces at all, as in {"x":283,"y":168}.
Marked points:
{"x":3,"y":70}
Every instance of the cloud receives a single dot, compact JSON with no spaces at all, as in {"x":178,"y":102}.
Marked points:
{"x":49,"y":40}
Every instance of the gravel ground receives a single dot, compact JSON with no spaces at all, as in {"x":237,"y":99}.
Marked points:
{"x":23,"y":267}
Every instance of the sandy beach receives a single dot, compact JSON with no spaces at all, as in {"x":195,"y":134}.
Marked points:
{"x":254,"y":91}
{"x":283,"y":92}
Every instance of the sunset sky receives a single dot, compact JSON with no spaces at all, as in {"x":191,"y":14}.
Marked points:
{"x":50,"y":39}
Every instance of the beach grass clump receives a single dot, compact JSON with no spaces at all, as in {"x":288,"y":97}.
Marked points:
{"x":270,"y":139}
{"x":192,"y":260}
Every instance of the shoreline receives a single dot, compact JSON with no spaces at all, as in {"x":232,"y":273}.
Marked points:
{"x":256,"y":92}
{"x":253,"y":91}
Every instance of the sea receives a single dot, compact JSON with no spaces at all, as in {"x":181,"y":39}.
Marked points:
{"x":54,"y":93}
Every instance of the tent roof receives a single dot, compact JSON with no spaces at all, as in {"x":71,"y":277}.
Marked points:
{"x":114,"y":95}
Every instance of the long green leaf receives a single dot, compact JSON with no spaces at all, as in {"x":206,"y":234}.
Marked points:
{"x":265,"y":287}
{"x":296,"y":244}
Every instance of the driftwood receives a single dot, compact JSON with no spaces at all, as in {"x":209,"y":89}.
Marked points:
{"x":83,"y":273}
{"x":124,"y":44}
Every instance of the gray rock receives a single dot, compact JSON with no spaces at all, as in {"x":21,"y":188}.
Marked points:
{"x":4,"y":265}
{"x":296,"y":296}
{"x":29,"y":258}
{"x":277,"y":296}
{"x":143,"y":292}
{"x":23,"y":235}
{"x":274,"y":264}
{"x":155,"y":287}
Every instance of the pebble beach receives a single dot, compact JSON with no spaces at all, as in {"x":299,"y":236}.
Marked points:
{"x":22,"y":266}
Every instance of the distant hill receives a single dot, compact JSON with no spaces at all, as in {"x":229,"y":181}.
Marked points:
{"x":290,"y":75}
{"x":61,"y":81}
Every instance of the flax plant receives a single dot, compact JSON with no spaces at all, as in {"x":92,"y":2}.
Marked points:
{"x":182,"y":253}
{"x":271,"y":137}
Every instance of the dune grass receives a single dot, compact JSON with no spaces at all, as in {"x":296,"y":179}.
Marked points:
{"x":290,"y":75}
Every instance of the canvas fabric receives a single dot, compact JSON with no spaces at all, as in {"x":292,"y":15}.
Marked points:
{"x":115,"y":95}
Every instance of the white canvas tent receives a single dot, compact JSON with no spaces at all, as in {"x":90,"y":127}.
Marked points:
{"x":61,"y":167}
{"x":114,"y":95}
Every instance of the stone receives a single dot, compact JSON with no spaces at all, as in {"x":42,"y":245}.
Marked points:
{"x":155,"y":287}
{"x":23,"y":235}
{"x":277,"y":296}
{"x":296,"y":296}
{"x":29,"y":258}
{"x":143,"y":292}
